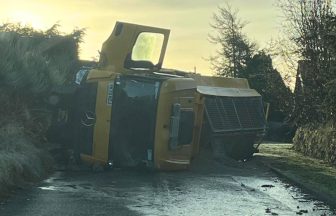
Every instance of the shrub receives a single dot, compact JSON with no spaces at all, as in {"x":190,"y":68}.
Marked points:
{"x":33,"y":63}
{"x":20,"y":159}
{"x":318,"y":141}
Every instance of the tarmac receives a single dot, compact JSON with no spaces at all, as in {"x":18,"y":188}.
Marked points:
{"x":210,"y":187}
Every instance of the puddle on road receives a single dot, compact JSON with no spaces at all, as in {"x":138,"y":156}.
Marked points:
{"x":192,"y":194}
{"x":285,"y":197}
{"x":225,"y":195}
{"x":61,"y":184}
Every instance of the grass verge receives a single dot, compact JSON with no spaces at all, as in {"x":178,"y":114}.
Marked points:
{"x":313,"y":175}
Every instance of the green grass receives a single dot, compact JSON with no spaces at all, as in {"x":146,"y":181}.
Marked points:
{"x":316,"y":174}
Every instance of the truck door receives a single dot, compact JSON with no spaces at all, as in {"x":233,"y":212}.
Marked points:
{"x":134,"y":46}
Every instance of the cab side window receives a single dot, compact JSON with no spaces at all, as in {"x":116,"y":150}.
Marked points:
{"x":186,"y":126}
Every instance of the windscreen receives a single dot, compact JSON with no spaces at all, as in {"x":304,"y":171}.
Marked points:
{"x":133,"y":121}
{"x":148,"y":47}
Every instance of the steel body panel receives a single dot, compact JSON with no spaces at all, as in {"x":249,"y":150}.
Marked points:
{"x":100,"y":74}
{"x":220,"y":81}
{"x":102,"y":125}
{"x":120,"y":44}
{"x":174,"y":90}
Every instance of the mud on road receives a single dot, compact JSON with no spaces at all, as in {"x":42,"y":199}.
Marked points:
{"x":209,"y":188}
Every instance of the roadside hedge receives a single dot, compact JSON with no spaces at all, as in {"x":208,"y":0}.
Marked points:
{"x":20,"y":159}
{"x":32,"y":64}
{"x":317,"y":140}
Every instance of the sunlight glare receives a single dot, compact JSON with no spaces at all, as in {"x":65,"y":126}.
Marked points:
{"x":27,"y":18}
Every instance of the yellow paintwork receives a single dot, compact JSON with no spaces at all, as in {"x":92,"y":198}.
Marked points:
{"x":103,"y":120}
{"x":182,"y":90}
{"x":101,"y":131}
{"x":174,"y":90}
{"x":117,"y":46}
{"x":113,"y":54}
{"x":224,"y":82}
{"x":100,"y":74}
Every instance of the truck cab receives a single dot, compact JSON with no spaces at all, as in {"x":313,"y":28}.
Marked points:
{"x":130,"y":112}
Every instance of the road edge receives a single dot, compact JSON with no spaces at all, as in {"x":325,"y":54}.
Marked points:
{"x":306,"y":187}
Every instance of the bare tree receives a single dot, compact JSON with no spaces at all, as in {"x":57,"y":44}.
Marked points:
{"x":308,"y":25}
{"x":235,"y":49}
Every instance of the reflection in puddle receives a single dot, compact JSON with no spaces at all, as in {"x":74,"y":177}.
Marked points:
{"x":51,"y":188}
{"x":192,"y":194}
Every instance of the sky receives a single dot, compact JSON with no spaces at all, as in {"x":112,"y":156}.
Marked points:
{"x":188,"y":20}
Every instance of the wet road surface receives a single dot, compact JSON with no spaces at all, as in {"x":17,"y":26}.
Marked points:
{"x":209,"y":188}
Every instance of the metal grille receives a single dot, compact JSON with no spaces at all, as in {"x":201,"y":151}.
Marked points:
{"x":233,"y":114}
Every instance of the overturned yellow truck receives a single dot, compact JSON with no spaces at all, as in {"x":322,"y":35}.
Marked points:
{"x":132,"y":112}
